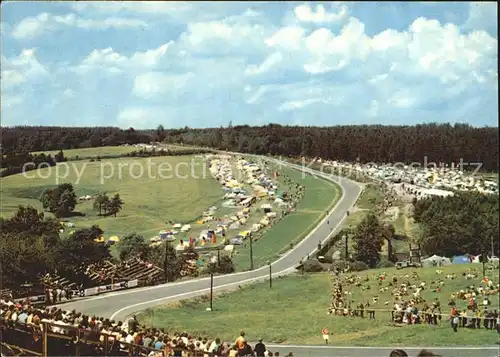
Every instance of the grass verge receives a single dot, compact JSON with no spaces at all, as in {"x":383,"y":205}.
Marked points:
{"x":294,"y":312}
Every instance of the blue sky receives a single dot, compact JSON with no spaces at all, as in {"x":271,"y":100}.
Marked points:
{"x":141,"y":64}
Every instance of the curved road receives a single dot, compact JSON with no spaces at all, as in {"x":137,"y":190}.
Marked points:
{"x":121,"y":304}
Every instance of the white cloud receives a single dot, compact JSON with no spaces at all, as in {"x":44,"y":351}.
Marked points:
{"x":151,"y":84}
{"x":31,"y":27}
{"x":288,"y":38}
{"x":401,"y":99}
{"x":265,"y":66}
{"x":21,"y":69}
{"x":306,"y":13}
{"x":113,"y":62}
{"x":299,"y":104}
{"x":426,"y":48}
{"x":159,"y":8}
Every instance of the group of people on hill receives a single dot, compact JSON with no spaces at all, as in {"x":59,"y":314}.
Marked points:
{"x":408,"y":305}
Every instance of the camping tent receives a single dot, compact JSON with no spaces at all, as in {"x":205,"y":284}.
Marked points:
{"x":435,"y":260}
{"x":461,"y":259}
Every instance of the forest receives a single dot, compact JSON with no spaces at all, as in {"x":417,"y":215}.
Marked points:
{"x":367,"y":143}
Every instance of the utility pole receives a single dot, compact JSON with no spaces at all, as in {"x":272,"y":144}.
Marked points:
{"x":492,"y":247}
{"x":211,"y":290}
{"x":346,"y":238}
{"x":218,"y":257}
{"x":270,"y":275}
{"x":165,"y":262}
{"x":251,"y":252}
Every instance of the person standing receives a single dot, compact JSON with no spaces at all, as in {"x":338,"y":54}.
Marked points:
{"x":260,"y":349}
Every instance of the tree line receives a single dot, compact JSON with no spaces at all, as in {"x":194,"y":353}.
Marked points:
{"x":15,"y":164}
{"x":31,"y":245}
{"x":465,"y":223}
{"x":438,"y":142}
{"x":367,"y":143}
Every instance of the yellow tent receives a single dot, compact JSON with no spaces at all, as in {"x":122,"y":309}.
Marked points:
{"x":114,"y":239}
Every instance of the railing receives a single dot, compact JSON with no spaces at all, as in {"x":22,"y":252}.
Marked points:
{"x":23,"y":340}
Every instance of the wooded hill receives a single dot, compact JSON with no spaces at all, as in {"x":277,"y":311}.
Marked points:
{"x":440,"y":143}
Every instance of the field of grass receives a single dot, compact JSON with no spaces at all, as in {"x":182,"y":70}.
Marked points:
{"x":102,"y":152}
{"x":295,"y":310}
{"x":150,"y":201}
{"x":106,"y":151}
{"x":319,"y":196}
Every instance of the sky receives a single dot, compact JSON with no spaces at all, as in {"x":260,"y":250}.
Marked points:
{"x":202,"y":64}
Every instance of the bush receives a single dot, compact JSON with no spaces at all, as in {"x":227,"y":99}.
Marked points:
{"x":385,"y":264}
{"x":359,"y":266}
{"x":340,"y":265}
{"x":313,"y":266}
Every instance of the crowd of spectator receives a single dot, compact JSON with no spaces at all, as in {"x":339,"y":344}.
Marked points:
{"x":409,"y":306}
{"x":23,"y":325}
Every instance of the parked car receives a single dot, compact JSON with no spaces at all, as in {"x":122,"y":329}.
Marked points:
{"x":407,"y":264}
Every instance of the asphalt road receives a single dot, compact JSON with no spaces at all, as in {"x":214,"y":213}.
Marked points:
{"x":121,"y":304}
{"x":331,"y":351}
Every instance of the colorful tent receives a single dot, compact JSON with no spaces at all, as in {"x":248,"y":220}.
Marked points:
{"x":114,"y":239}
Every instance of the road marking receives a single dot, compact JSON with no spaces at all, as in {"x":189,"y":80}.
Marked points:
{"x":379,"y":348}
{"x":264,"y":276}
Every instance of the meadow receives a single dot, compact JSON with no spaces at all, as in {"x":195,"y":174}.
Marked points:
{"x":294,"y":311}
{"x":150,"y":200}
{"x":320,"y":195}
{"x":102,"y":152}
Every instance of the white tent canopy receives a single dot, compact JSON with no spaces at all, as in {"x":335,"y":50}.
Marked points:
{"x":436,"y":260}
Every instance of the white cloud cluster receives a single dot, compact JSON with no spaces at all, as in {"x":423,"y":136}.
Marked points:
{"x":21,"y":69}
{"x":31,"y":27}
{"x":151,"y":84}
{"x":306,"y":13}
{"x":305,"y":64}
{"x":113,"y":62}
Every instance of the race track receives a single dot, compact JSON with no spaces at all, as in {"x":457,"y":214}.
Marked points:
{"x":119,"y":305}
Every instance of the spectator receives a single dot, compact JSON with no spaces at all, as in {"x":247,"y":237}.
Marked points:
{"x":398,"y":353}
{"x":260,"y":349}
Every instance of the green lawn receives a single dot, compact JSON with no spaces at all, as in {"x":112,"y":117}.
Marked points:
{"x":295,"y":310}
{"x":149,"y":201}
{"x":102,"y":151}
{"x":319,"y":196}
{"x":106,"y":151}
{"x":370,"y":197}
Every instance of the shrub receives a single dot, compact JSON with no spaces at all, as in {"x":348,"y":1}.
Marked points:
{"x":385,"y":264}
{"x":312,"y":266}
{"x":359,"y":266}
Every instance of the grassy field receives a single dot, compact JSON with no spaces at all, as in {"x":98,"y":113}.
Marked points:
{"x":295,"y":311}
{"x":149,"y":201}
{"x":102,"y":152}
{"x":319,"y":196}
{"x":106,"y":151}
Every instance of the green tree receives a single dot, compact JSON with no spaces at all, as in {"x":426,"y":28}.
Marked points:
{"x":80,"y":248}
{"x":59,"y":157}
{"x":115,"y":205}
{"x":101,"y":203}
{"x":27,"y":246}
{"x":133,"y":245}
{"x":60,"y":201}
{"x":368,"y":240}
